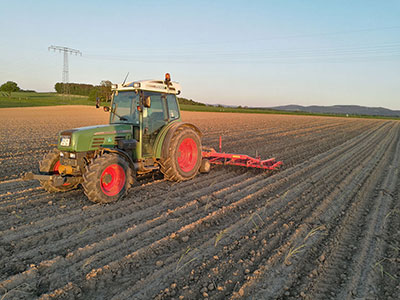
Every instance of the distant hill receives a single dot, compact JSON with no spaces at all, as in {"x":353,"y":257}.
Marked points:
{"x":341,"y":109}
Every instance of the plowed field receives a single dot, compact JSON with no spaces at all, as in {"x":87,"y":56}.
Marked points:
{"x":326,"y":226}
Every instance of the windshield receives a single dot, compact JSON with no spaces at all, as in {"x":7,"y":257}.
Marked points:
{"x":124,"y":107}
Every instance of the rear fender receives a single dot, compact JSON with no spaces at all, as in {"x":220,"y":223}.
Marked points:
{"x":165,"y":136}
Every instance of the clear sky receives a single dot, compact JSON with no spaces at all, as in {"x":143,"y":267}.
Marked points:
{"x":255,"y":53}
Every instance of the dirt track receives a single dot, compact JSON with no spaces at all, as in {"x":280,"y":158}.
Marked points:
{"x":327,"y":226}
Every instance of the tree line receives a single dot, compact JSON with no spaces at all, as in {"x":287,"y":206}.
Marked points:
{"x":94,"y":92}
{"x":189,"y":102}
{"x":102,"y":91}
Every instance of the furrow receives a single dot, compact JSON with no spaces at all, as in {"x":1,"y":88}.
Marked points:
{"x":126,"y":206}
{"x":302,"y":211}
{"x":113,"y":266}
{"x":75,"y":235}
{"x":267,"y":281}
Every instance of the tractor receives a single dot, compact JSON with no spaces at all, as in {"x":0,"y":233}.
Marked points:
{"x":145,"y":134}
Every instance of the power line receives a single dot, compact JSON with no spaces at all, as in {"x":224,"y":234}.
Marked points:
{"x":65,"y":74}
{"x":337,"y":54}
{"x":222,"y":42}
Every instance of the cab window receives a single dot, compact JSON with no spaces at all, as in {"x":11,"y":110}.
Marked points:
{"x":124,"y":107}
{"x":173,"y":111}
{"x":156,"y":113}
{"x":154,"y":118}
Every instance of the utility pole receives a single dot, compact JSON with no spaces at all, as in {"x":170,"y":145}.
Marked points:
{"x":65,"y":75}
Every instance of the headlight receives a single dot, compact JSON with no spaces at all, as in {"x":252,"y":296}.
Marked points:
{"x":65,"y":141}
{"x":72,"y":155}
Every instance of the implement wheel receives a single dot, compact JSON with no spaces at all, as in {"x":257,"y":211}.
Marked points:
{"x":107,"y":179}
{"x":205,"y":166}
{"x":183,"y":158}
{"x":49,"y":166}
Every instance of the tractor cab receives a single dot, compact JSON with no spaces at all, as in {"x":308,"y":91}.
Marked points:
{"x":148,"y":106}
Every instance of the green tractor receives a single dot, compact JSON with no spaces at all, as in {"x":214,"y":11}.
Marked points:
{"x":145,"y":134}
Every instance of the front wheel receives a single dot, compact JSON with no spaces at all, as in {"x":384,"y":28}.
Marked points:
{"x":107,"y":179}
{"x":49,"y":165}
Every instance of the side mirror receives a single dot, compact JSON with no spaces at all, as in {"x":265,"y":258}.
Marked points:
{"x":147,"y":101}
{"x":106,"y":108}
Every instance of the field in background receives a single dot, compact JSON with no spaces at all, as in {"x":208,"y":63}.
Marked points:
{"x":326,"y":226}
{"x":30,"y":99}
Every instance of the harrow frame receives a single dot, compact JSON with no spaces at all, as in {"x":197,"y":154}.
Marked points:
{"x":222,"y":158}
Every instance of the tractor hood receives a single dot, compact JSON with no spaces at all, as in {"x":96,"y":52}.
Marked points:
{"x":92,"y":137}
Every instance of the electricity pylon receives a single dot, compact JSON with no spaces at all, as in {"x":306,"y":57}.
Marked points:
{"x":65,"y":75}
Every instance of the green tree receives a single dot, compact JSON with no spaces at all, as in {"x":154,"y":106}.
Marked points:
{"x":9,"y":87}
{"x":105,"y":88}
{"x":73,"y":88}
{"x":94,"y":93}
{"x":59,"y":87}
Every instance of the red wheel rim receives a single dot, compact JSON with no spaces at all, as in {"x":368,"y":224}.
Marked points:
{"x":56,"y":166}
{"x":55,"y":171}
{"x":187,"y":155}
{"x":112,"y":180}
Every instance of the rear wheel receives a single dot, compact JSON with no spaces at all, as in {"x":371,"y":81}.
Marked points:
{"x":183,"y":156}
{"x":49,"y":166}
{"x":107,"y":179}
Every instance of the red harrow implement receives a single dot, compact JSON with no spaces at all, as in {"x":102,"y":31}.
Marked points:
{"x":222,"y":158}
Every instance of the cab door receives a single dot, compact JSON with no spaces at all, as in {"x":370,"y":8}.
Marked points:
{"x":154,"y":118}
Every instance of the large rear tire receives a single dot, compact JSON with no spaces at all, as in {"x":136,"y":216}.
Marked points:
{"x":183,"y":156}
{"x":49,"y":166}
{"x":107,"y":178}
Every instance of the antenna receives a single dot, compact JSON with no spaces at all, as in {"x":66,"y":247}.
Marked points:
{"x":125,"y":78}
{"x":65,"y":73}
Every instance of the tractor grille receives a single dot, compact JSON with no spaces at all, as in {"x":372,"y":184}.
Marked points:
{"x":97,"y":142}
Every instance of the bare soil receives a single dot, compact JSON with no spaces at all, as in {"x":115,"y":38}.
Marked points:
{"x":325,"y":226}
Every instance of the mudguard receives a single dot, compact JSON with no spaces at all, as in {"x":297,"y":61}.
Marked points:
{"x":165,"y":136}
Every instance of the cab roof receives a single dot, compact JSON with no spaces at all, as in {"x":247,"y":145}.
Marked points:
{"x":170,"y":87}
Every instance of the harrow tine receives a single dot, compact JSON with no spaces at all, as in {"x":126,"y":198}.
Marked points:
{"x":222,"y":158}
{"x":240,"y":160}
